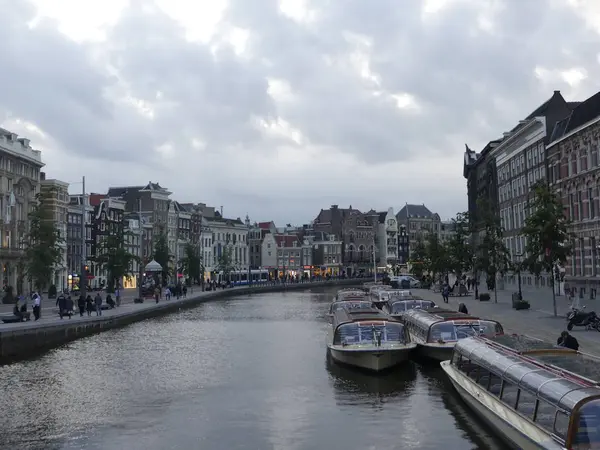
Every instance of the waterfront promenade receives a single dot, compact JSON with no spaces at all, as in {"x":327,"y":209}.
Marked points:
{"x":21,"y":340}
{"x":538,"y":321}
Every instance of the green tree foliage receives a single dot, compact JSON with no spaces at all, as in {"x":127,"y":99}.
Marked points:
{"x":225,"y":262}
{"x":547,"y":232}
{"x":437,"y":259}
{"x":43,"y":241}
{"x":418,"y":258}
{"x":493,"y":256}
{"x":460,"y":250}
{"x":191,"y":263}
{"x":114,"y":257}
{"x":162,"y":255}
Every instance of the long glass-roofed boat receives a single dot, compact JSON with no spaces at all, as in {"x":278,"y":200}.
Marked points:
{"x":532,"y":393}
{"x":436,"y":330}
{"x":398,"y":307}
{"x":368,"y":338}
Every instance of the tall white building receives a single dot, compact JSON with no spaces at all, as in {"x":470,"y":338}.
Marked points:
{"x":387,"y":238}
{"x":230,"y":234}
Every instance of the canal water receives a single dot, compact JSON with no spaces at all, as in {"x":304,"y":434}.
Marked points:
{"x":246,"y":373}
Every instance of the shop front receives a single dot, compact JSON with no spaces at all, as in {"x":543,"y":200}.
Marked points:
{"x":129,"y":282}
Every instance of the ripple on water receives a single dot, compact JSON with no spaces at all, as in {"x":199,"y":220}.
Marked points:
{"x":247,"y":373}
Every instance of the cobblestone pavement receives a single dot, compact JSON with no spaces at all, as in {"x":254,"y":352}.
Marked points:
{"x":533,"y":322}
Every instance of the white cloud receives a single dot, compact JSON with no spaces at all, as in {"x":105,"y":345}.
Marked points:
{"x":250,"y":104}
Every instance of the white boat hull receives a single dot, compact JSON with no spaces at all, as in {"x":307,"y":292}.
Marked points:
{"x":437,"y":352}
{"x":506,"y":422}
{"x":375,"y":359}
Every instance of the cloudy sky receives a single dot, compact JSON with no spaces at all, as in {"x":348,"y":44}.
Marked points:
{"x":278,"y":108}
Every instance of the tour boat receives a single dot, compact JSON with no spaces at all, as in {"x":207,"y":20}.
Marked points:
{"x":533,"y":394}
{"x":382,"y":297}
{"x":349,"y":304}
{"x":397,"y":308}
{"x":436,"y":331}
{"x":368,"y":339}
{"x":347,"y":293}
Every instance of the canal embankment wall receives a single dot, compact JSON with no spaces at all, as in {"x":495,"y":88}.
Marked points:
{"x":27,"y":339}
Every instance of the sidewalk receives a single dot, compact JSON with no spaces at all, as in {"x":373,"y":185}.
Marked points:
{"x":534,"y":322}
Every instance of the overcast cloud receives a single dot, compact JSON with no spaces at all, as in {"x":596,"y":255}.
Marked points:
{"x":277,"y":109}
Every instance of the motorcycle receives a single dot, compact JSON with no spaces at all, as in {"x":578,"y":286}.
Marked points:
{"x":581,"y":318}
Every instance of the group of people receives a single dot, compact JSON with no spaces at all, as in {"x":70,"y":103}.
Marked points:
{"x":84,"y":304}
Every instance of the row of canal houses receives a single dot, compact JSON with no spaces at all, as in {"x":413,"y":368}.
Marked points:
{"x":558,"y":142}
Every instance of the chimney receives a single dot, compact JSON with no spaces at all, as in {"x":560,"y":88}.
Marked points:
{"x":334,"y":206}
{"x":42,"y":176}
{"x":556,"y":92}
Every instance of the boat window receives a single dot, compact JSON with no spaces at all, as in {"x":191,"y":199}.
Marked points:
{"x":448,"y":331}
{"x":346,"y":334}
{"x":394,"y":332}
{"x":587,"y":432}
{"x":561,"y":424}
{"x":495,"y":384}
{"x":509,"y":393}
{"x":526,"y":403}
{"x":355,"y":333}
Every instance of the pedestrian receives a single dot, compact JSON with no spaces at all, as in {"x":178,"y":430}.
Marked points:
{"x":98,"y":303}
{"x":68,"y":306}
{"x":61,"y":302}
{"x":81,"y":304}
{"x":37,"y":305}
{"x":157,"y":293}
{"x":167,"y":293}
{"x":567,"y":341}
{"x":118,"y":297}
{"x":184,"y":291}
{"x":445,"y":292}
{"x":89,"y":305}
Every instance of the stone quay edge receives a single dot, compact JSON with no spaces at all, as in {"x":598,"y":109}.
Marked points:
{"x":27,"y":339}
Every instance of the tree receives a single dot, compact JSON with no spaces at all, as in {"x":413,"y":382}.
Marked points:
{"x":546,"y":230}
{"x":460,"y":251}
{"x":191,"y":263}
{"x":418,"y":259}
{"x":114,"y":257}
{"x":437,"y":255}
{"x":43,"y":242}
{"x":225,"y":262}
{"x":493,"y":257}
{"x":162,"y":255}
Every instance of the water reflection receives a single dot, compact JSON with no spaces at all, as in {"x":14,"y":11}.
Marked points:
{"x":474,"y":429}
{"x":247,"y":373}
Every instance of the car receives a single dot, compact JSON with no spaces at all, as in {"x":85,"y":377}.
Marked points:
{"x":413,"y":282}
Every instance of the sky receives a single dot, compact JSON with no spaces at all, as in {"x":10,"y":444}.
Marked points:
{"x":278,"y":108}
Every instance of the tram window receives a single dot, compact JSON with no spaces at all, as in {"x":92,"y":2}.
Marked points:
{"x":561,"y":424}
{"x":526,"y":404}
{"x":587,"y":434}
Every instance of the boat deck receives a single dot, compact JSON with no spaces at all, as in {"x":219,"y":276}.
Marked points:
{"x":448,"y":314}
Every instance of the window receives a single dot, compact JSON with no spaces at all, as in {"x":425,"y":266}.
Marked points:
{"x":591,"y":200}
{"x":580,"y":204}
{"x":561,"y":424}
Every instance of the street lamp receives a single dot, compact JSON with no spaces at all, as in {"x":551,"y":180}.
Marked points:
{"x":518,"y":266}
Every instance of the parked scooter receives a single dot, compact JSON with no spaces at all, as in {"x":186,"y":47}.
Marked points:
{"x":582,"y":318}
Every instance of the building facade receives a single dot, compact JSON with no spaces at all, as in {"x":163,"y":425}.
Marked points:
{"x":20,"y":166}
{"x":151,"y":202}
{"x":256,"y":235}
{"x":387,"y":238}
{"x":418,"y":221}
{"x":58,"y":201}
{"x":289,"y":255}
{"x":133,"y":244}
{"x":108,"y":220}
{"x":75,"y":241}
{"x":573,"y":171}
{"x":229,"y":235}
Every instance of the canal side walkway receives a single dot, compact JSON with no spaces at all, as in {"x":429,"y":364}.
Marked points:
{"x":21,"y":340}
{"x":536,"y":322}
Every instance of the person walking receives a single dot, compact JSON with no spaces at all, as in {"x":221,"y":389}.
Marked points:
{"x":98,"y":303}
{"x":445,"y":292}
{"x":61,"y":302}
{"x":81,"y":304}
{"x":118,"y":297}
{"x":89,"y":305}
{"x":37,"y":305}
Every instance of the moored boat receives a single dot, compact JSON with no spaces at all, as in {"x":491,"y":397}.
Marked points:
{"x":350,"y":293}
{"x":349,"y":304}
{"x":436,"y":331}
{"x":397,"y":308}
{"x":533,"y":394}
{"x":381,"y":297}
{"x":367,"y":338}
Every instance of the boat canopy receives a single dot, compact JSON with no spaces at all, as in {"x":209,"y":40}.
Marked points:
{"x":429,"y":316}
{"x":401,"y":306}
{"x":350,"y":304}
{"x":368,"y":332}
{"x":564,"y":391}
{"x":346,"y":315}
